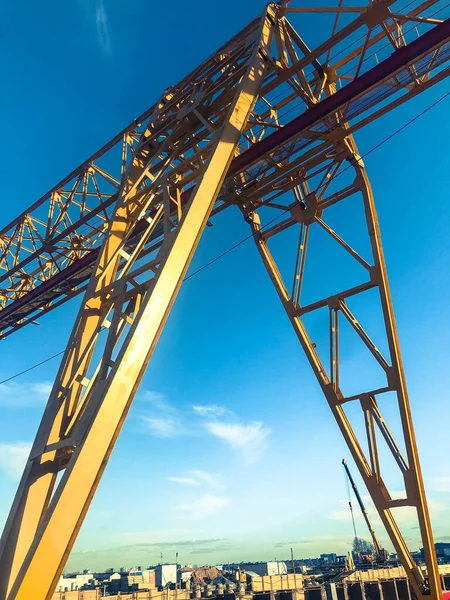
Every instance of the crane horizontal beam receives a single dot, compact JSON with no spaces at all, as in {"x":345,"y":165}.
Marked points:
{"x":25,"y":305}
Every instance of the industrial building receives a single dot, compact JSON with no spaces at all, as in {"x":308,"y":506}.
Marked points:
{"x":265,"y":568}
{"x":166,"y":575}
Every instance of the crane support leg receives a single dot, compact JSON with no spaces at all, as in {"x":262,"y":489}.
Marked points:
{"x":122,"y":315}
{"x":344,"y":184}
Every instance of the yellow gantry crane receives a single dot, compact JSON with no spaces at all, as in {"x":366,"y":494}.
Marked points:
{"x":265,"y":128}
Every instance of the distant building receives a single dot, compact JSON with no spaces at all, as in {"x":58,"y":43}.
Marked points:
{"x":118,"y":582}
{"x":251,"y":574}
{"x":310,"y":563}
{"x":274,"y":567}
{"x":442,"y":552}
{"x":165,"y":574}
{"x":185,"y":574}
{"x":136,"y":579}
{"x":328,"y":558}
{"x":139,"y":579}
{"x":66,"y":584}
{"x":76,"y":582}
{"x":149,"y":576}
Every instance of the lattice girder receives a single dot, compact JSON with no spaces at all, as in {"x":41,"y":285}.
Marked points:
{"x":129,"y":295}
{"x":344,"y":182}
{"x":47,"y":254}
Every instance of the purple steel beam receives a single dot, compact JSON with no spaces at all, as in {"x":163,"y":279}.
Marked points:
{"x":66,"y":274}
{"x":398,"y":59}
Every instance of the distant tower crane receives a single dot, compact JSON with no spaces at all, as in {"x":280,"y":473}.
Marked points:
{"x":380,"y":553}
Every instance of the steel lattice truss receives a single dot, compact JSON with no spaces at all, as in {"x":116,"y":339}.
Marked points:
{"x":47,"y":253}
{"x":265,"y":125}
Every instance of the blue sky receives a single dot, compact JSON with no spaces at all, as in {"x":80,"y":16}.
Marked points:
{"x":229,"y":451}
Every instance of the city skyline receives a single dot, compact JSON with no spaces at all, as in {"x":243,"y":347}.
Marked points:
{"x":222,"y":454}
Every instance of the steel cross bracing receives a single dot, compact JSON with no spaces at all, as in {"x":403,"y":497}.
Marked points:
{"x":123,"y":228}
{"x":48,"y":252}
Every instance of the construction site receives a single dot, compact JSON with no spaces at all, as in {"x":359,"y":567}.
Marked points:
{"x":377,"y":584}
{"x":266,"y":129}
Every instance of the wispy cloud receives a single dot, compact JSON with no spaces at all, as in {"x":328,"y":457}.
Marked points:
{"x":156,"y":399}
{"x":183,"y":480}
{"x":202,"y":507}
{"x":162,"y":427}
{"x":42,"y":388}
{"x":214,"y":480}
{"x":24,"y":394}
{"x":134,"y":546}
{"x":101,"y":22}
{"x":209,"y":410}
{"x":13,"y":458}
{"x":165,"y":420}
{"x":289,"y":544}
{"x":198,"y":477}
{"x":250,"y":440}
{"x":440,"y":484}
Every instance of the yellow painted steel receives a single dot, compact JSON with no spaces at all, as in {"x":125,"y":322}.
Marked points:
{"x":89,"y":401}
{"x":415,"y":494}
{"x":57,"y":531}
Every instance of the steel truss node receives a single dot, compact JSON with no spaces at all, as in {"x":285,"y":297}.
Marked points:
{"x":312,"y":200}
{"x":122,"y":228}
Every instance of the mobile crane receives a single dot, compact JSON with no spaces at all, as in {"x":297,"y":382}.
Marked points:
{"x":381,"y":555}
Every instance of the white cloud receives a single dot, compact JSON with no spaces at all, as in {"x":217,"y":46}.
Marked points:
{"x":344,"y":515}
{"x":42,"y":389}
{"x":205,"y":506}
{"x":435,"y":507}
{"x":250,"y":439}
{"x":198,"y":477}
{"x":212,"y":410}
{"x":440,"y":484}
{"x":211,"y":479}
{"x":168,"y":421}
{"x":165,"y":420}
{"x":101,"y":22}
{"x":158,"y":400}
{"x":164,"y":428}
{"x":341,"y":515}
{"x":183,"y":480}
{"x":13,"y":458}
{"x":24,"y":394}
